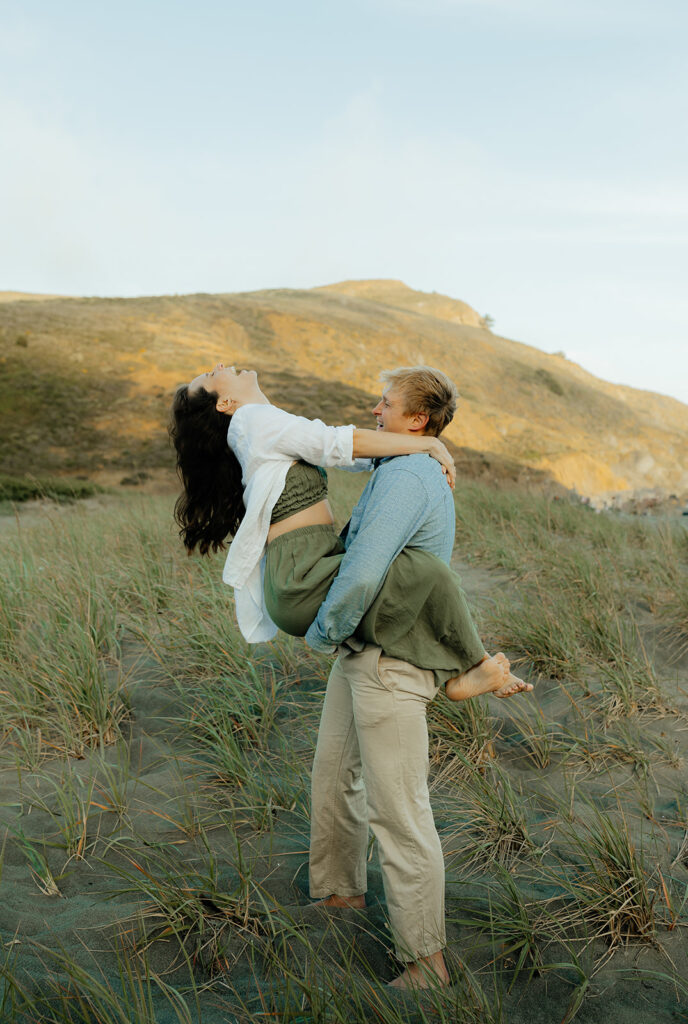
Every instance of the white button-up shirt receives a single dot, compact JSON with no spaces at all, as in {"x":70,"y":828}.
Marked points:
{"x":266,"y":441}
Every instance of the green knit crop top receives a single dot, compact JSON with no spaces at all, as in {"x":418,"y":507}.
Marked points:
{"x":304,"y":486}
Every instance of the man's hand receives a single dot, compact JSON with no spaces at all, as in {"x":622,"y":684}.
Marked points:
{"x":439,"y":452}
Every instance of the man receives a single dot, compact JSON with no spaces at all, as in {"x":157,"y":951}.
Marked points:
{"x":373,"y":724}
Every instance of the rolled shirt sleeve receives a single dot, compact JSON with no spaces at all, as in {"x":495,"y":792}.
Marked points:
{"x":311,"y":440}
{"x":392,"y":516}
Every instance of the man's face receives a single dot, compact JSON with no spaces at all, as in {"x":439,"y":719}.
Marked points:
{"x":390,"y":414}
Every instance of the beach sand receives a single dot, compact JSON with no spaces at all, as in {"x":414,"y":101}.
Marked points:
{"x":151,"y":817}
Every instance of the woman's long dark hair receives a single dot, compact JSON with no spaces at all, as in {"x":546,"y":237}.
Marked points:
{"x":211,"y":506}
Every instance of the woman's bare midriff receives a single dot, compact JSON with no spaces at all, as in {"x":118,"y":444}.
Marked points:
{"x":315,"y":515}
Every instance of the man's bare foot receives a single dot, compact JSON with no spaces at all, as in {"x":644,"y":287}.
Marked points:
{"x":488,"y":675}
{"x":357,"y":902}
{"x":429,"y":970}
{"x":513,"y":685}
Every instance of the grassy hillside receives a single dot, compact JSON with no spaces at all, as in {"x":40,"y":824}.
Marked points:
{"x":85,"y":384}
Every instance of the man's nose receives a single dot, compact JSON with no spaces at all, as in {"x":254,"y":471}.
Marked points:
{"x":376,"y":410}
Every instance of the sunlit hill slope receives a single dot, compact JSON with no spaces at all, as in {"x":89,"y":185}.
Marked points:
{"x":85,"y":384}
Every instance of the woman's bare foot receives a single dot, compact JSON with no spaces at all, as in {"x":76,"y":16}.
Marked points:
{"x":513,"y":685}
{"x":491,"y":675}
{"x":429,"y":970}
{"x":488,"y":675}
{"x":358,"y":902}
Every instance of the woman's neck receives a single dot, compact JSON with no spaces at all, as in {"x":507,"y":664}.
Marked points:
{"x":258,"y":399}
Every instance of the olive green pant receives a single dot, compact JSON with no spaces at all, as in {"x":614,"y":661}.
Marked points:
{"x":371,"y":768}
{"x":420,"y":614}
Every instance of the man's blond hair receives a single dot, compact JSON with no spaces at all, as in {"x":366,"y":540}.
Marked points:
{"x":425,"y":390}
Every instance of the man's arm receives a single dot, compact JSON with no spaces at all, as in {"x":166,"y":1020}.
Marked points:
{"x":395,"y":510}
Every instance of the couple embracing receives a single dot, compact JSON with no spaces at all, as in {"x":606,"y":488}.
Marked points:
{"x":381,"y":595}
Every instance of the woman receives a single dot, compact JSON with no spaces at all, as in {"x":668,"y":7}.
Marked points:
{"x":251,"y":470}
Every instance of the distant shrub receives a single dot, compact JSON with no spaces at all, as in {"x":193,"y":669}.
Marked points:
{"x":550,"y":381}
{"x":27,"y":488}
{"x":22,"y":341}
{"x":487,"y":322}
{"x":135,"y":479}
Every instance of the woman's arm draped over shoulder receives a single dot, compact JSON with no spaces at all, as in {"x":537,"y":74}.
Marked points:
{"x":265,"y":431}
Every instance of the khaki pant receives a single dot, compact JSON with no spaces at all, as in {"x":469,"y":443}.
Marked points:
{"x":371,"y":767}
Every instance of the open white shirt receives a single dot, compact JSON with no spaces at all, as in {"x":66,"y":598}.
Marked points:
{"x":266,"y":441}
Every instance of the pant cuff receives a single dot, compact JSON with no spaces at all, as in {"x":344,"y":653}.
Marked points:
{"x":323,"y":893}
{"x":409,"y":958}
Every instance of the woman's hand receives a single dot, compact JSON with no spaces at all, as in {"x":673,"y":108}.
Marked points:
{"x":372,"y":444}
{"x":440,"y":452}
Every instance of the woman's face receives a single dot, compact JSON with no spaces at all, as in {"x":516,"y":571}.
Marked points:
{"x":233,"y":389}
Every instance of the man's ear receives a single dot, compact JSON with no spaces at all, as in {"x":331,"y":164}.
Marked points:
{"x":419,"y":420}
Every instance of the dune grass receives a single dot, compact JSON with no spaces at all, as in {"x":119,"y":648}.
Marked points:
{"x":59,"y":489}
{"x":583,"y":580}
{"x":59,"y":652}
{"x":145,"y":747}
{"x":495,"y":826}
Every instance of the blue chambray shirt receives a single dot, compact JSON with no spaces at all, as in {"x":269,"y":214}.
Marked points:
{"x":406,"y":503}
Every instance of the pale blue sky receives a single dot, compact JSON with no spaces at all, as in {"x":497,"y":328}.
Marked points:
{"x":526,"y":156}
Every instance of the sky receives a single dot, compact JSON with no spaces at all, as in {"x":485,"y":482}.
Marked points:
{"x":526,"y":156}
